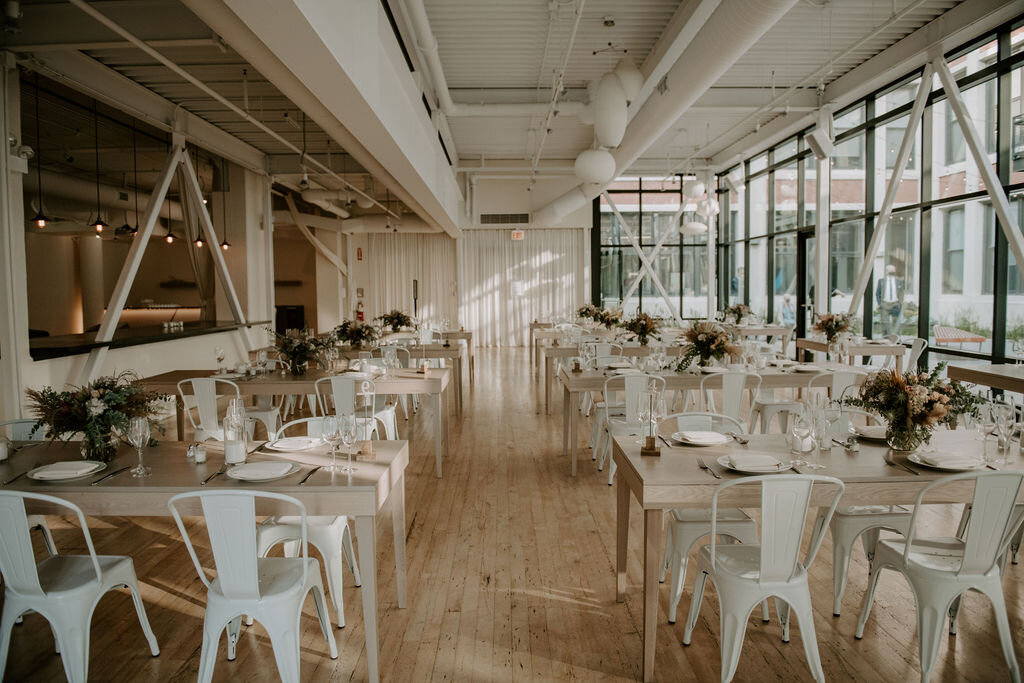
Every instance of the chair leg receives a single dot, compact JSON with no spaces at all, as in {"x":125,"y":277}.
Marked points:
{"x":233,"y":629}
{"x":805,"y":616}
{"x":841,"y":552}
{"x":140,"y":610}
{"x":73,"y":636}
{"x":995,"y":594}
{"x":679,"y":562}
{"x":783,"y":609}
{"x":930,"y":616}
{"x":208,"y":653}
{"x":611,"y":465}
{"x":869,"y":599}
{"x":51,"y":548}
{"x":954,"y":610}
{"x":325,"y":622}
{"x":350,"y":556}
{"x":695,"y":600}
{"x":284,"y":638}
{"x":732,"y":629}
{"x":7,"y":620}
{"x":332,"y":563}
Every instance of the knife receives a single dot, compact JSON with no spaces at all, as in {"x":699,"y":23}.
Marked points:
{"x":665,"y":440}
{"x":220,"y":471}
{"x":15,"y":478}
{"x":309,"y":474}
{"x":108,"y":476}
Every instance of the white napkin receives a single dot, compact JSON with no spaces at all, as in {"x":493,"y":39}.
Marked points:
{"x":950,"y":460}
{"x":295,"y":443}
{"x":871,"y":431}
{"x":65,"y":470}
{"x":755,"y":463}
{"x":260,"y":470}
{"x":703,"y":437}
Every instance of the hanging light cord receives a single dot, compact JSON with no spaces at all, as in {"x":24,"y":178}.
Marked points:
{"x":96,"y":149}
{"x":39,"y":158}
{"x":135,"y":172}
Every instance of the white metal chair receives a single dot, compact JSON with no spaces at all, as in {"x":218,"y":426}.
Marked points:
{"x":351,"y":396}
{"x":404,"y":358}
{"x":331,"y":536}
{"x":940,"y":569}
{"x":21,"y":430}
{"x":64,"y":589}
{"x":687,"y":526}
{"x":204,"y":394}
{"x":270,"y":589}
{"x":629,"y":424}
{"x":732,"y":383}
{"x":745,"y":575}
{"x":837,"y":382}
{"x":385,"y":411}
{"x":916,"y":349}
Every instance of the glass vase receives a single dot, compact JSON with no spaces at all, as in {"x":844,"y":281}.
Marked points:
{"x":297,"y":368}
{"x":905,"y":440}
{"x":102,"y":448}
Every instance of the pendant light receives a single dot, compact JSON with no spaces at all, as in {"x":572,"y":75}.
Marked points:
{"x":40,"y":218}
{"x":198,"y":242}
{"x":135,"y":171}
{"x":225,"y":245}
{"x":99,"y":224}
{"x":169,"y":237}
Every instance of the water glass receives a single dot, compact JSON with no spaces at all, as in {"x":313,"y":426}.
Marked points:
{"x":331,"y":433}
{"x":138,"y":436}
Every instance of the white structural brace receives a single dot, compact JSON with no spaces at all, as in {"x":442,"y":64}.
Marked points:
{"x":176,"y":158}
{"x":654,"y":252}
{"x":644,"y":261}
{"x":902,"y":157}
{"x":317,"y":244}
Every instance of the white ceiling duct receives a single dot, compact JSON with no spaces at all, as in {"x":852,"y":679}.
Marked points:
{"x":595,"y":166}
{"x":630,"y":78}
{"x":610,"y":111}
{"x":381,"y":223}
{"x":72,"y":189}
{"x":322,"y":199}
{"x":732,"y":29}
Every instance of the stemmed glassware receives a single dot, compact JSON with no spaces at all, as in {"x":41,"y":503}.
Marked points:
{"x":331,"y":433}
{"x":831,"y":413}
{"x":138,"y":436}
{"x":219,"y":353}
{"x":261,"y":361}
{"x":1005,"y":421}
{"x":348,"y":438}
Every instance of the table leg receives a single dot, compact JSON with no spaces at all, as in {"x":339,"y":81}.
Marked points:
{"x":458,"y":386}
{"x":548,"y":369}
{"x":899,"y":362}
{"x":438,"y":434}
{"x":398,"y":522}
{"x":565,"y":420}
{"x":472,"y":362}
{"x":621,"y":535}
{"x":367,"y":560}
{"x":652,"y":560}
{"x":179,"y":417}
{"x":531,"y":346}
{"x":574,"y":415}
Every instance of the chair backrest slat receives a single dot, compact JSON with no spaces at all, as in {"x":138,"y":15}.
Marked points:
{"x":783,"y":515}
{"x":349,"y":394}
{"x":732,"y":385}
{"x":204,"y":392}
{"x":314,"y":427}
{"x":21,"y":430}
{"x":701,"y":422}
{"x":991,"y":514}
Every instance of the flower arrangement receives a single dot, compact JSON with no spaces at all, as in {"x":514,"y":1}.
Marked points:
{"x":395,"y":319}
{"x":355,"y":333}
{"x":100,"y":411}
{"x":706,"y":340}
{"x":737,"y":312}
{"x":587,"y":311}
{"x":914,"y":403}
{"x":642,"y":326}
{"x":609,"y":317}
{"x":299,"y":348}
{"x":832,"y":325}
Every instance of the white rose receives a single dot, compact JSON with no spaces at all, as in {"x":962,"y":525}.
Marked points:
{"x":96,"y":407}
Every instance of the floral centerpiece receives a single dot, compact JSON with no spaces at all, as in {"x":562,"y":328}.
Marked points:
{"x":395,"y":319}
{"x":832,"y":325}
{"x":299,"y":348}
{"x":609,"y":317}
{"x":642,"y":326}
{"x":355,"y":333}
{"x":100,"y":411}
{"x":588,"y":311}
{"x":737,"y":312}
{"x":914,"y":403}
{"x":706,"y":340}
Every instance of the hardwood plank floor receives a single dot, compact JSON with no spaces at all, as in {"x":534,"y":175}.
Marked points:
{"x":511,"y":577}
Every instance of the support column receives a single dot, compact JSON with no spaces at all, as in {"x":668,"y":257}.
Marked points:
{"x":90,"y":260}
{"x":822,"y":214}
{"x":709,"y":178}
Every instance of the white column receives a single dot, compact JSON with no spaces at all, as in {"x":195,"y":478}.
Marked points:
{"x":822,"y":212}
{"x":709,"y":180}
{"x":90,"y":273}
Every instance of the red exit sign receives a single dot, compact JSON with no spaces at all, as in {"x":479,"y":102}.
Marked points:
{"x":518,"y":235}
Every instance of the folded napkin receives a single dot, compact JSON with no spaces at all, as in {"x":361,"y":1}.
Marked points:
{"x":703,"y":437}
{"x":871,"y":431}
{"x":950,"y":460}
{"x":66,"y":470}
{"x":295,"y":443}
{"x":260,"y":470}
{"x":754,"y":463}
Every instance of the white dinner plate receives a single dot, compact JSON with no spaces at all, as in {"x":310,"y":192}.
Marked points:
{"x":628,"y":371}
{"x":67,"y":470}
{"x":870,"y":432}
{"x":719,"y":441}
{"x":227,"y":375}
{"x":726,"y":462}
{"x":294,"y":443}
{"x":807,"y":367}
{"x":916,"y":459}
{"x":619,"y":364}
{"x":711,"y":369}
{"x":262,"y":471}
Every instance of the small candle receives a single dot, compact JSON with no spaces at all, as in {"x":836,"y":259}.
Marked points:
{"x":200,"y":453}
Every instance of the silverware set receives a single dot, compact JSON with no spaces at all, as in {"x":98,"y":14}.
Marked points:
{"x":704,"y":466}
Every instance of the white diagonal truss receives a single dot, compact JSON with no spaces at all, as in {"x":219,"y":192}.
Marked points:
{"x":654,"y":252}
{"x":320,"y":247}
{"x":177,"y":159}
{"x":644,"y":261}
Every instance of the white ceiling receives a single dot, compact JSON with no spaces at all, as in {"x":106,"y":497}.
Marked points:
{"x":519,"y":44}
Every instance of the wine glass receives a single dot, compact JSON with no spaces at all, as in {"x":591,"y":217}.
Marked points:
{"x":261,"y":361}
{"x":348,"y":438}
{"x":219,"y":353}
{"x":138,"y":436}
{"x":645,"y":409}
{"x":1004,"y":423}
{"x":331,"y":433}
{"x":831,"y":412}
{"x":986,"y":423}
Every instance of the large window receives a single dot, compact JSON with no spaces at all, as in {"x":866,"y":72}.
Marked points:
{"x":952,"y":250}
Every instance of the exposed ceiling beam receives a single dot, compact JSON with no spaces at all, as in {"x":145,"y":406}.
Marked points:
{"x":715,"y":99}
{"x":117,"y":45}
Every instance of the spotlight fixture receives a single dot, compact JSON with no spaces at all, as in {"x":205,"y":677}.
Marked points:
{"x":169,"y":237}
{"x":40,"y":218}
{"x":198,"y":243}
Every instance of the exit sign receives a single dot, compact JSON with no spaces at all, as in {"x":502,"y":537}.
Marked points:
{"x":518,"y":235}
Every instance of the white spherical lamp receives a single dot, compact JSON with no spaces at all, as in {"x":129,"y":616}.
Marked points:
{"x":609,"y":111}
{"x":595,"y":166}
{"x":630,"y":78}
{"x":693,"y":228}
{"x":693,"y":188}
{"x":707,"y":208}
{"x":363,"y":202}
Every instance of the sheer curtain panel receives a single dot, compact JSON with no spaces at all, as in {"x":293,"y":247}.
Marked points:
{"x":505,"y":285}
{"x":397,"y":260}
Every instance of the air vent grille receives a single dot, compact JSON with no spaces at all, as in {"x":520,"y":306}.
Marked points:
{"x":504,"y":219}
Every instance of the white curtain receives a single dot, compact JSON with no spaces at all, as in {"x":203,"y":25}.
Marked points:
{"x":505,"y":285}
{"x":396,"y":260}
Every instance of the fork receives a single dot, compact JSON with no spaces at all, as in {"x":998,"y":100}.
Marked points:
{"x":892,"y":463}
{"x":222,"y":469}
{"x":704,"y":466}
{"x":743,"y":441}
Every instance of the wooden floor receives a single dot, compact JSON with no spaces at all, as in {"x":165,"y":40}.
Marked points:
{"x":510,"y":565}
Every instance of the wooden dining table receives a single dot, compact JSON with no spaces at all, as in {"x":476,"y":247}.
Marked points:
{"x":864,"y":348}
{"x":451,"y":354}
{"x":576,"y":383}
{"x":761,"y":330}
{"x":435,"y":382}
{"x":1005,"y":376}
{"x":362,"y":494}
{"x":675,"y":480}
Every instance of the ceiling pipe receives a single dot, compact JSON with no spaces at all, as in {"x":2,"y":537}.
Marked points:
{"x":113,"y":197}
{"x":732,"y":29}
{"x":320,"y":198}
{"x":381,"y":224}
{"x":427,"y":44}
